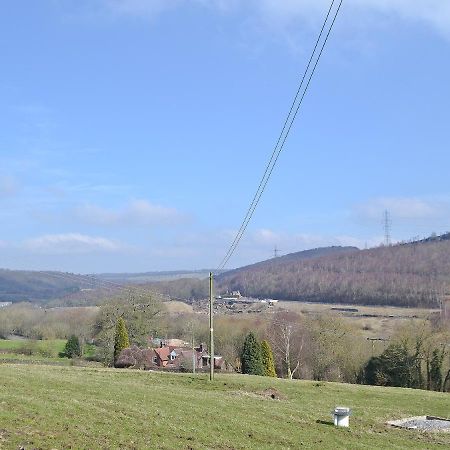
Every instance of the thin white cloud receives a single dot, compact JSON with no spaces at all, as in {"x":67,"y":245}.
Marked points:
{"x":432,"y":12}
{"x":435,"y":13}
{"x":407,"y":208}
{"x":265,"y":236}
{"x":71,"y":243}
{"x":259,"y":244}
{"x":135,"y":213}
{"x":292,"y":242}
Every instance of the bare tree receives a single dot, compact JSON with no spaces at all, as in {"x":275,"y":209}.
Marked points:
{"x":287,"y":341}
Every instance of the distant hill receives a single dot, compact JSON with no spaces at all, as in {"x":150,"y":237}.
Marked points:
{"x":407,"y":274}
{"x":293,"y":257}
{"x":150,"y":277}
{"x":68,"y":289}
{"x":196,"y":287}
{"x":182,"y":288}
{"x":41,"y":287}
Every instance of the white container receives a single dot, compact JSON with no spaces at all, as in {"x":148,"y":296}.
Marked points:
{"x":341,"y":416}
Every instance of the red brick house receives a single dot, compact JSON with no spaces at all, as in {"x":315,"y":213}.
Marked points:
{"x":178,"y":357}
{"x":168,"y":357}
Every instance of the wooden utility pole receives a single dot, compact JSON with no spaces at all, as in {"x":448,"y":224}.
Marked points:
{"x":193,"y":352}
{"x":211,"y":329}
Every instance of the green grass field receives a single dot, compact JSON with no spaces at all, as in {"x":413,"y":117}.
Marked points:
{"x":28,"y":351}
{"x":51,"y":346}
{"x":40,"y":352}
{"x":83,"y":408}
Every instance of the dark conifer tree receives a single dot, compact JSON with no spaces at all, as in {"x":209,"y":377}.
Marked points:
{"x":251,"y":357}
{"x":436,"y":370}
{"x":121,"y":340}
{"x":73,"y":347}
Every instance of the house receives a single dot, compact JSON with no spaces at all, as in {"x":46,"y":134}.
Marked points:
{"x":169,"y":358}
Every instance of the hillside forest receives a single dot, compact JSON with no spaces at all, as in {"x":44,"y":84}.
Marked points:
{"x":414,"y":274}
{"x":409,"y":275}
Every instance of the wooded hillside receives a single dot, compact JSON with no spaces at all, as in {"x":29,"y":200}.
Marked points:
{"x":412,"y":274}
{"x":408,"y":274}
{"x":22,"y":285}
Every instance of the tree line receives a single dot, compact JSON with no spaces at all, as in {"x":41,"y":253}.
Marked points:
{"x":323,"y":348}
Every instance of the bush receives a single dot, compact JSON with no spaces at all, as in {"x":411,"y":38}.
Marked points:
{"x":394,"y":367}
{"x":72,"y":348}
{"x":28,"y":348}
{"x":135,"y":358}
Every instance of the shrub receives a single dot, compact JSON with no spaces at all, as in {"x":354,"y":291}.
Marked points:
{"x":135,"y":358}
{"x":28,"y":348}
{"x":72,"y":348}
{"x":394,"y":367}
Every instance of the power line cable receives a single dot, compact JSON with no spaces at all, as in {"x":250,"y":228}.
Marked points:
{"x":282,"y":131}
{"x":273,"y":161}
{"x":283,"y":135}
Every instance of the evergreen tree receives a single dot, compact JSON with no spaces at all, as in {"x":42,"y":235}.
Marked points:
{"x":436,"y":370}
{"x":121,"y":340}
{"x":251,"y":357}
{"x":267,"y":360}
{"x":394,"y":367}
{"x":72,"y":348}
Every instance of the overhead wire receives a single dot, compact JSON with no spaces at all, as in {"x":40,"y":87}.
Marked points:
{"x":288,"y":123}
{"x":284,"y":133}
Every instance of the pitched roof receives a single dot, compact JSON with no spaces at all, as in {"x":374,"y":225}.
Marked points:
{"x":184,"y":353}
{"x":163,"y":353}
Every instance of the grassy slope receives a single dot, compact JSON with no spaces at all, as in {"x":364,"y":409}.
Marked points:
{"x":61,"y":407}
{"x":42,"y":352}
{"x":53,"y":346}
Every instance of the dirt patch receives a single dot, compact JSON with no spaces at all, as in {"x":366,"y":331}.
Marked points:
{"x":273,"y":394}
{"x":3,"y":435}
{"x":269,"y":394}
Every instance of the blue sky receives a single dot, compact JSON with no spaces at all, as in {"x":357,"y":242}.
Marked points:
{"x":133,"y":133}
